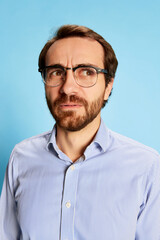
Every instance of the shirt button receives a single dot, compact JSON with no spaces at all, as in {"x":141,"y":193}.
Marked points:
{"x":68,"y":204}
{"x":72,"y":167}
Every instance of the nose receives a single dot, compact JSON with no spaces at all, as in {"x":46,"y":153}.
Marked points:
{"x":69,"y":86}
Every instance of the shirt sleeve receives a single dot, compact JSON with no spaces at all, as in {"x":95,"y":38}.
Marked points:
{"x":148,"y":222}
{"x":9,"y":228}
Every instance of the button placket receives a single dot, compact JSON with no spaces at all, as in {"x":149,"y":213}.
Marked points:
{"x":68,"y":203}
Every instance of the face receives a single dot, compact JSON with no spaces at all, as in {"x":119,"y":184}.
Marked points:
{"x":72,"y":106}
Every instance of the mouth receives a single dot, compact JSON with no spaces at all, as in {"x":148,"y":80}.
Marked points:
{"x":70,"y":105}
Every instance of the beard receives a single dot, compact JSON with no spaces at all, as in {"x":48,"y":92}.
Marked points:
{"x":70,"y":120}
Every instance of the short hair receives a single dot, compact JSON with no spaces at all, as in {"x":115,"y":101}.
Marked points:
{"x":66,"y":31}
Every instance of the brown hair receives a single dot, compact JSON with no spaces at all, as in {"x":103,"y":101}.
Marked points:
{"x":110,"y":60}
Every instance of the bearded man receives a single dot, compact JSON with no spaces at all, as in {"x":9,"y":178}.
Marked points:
{"x":80,"y":181}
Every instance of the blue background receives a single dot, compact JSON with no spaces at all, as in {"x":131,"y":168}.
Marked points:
{"x":132,"y":28}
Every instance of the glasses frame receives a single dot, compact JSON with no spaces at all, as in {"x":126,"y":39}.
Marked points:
{"x":98,"y":70}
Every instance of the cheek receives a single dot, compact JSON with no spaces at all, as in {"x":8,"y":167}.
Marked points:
{"x":95,"y":92}
{"x":51,"y":93}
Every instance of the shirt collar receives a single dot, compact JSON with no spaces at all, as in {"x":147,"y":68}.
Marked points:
{"x":101,"y":140}
{"x":102,"y":137}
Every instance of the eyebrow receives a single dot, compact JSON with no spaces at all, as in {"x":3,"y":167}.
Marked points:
{"x":77,"y":65}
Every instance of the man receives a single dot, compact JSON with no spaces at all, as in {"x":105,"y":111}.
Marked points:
{"x":81,"y":181}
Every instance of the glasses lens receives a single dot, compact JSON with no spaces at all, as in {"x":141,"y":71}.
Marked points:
{"x":53,"y":76}
{"x":86,"y":76}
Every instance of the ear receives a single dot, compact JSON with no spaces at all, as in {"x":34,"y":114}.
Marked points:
{"x":108,"y":89}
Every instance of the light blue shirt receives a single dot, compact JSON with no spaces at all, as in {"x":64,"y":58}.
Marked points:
{"x":111,"y":193}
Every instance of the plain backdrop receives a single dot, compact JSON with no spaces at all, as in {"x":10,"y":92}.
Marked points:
{"x":131,"y":27}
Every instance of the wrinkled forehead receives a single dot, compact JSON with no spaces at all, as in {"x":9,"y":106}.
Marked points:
{"x":75,"y":50}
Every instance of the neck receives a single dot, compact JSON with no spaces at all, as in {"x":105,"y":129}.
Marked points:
{"x":73,"y":144}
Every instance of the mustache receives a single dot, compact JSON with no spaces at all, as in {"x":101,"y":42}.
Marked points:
{"x":64,"y":98}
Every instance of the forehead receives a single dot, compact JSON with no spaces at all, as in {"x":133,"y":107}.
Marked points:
{"x":75,"y":50}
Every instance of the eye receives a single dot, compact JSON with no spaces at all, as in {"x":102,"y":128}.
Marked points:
{"x":56,"y":73}
{"x":86,"y":72}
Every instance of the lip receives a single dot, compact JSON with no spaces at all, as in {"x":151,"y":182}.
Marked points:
{"x":70,"y":105}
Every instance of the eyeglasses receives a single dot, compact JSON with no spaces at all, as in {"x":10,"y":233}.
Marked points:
{"x":84,"y":75}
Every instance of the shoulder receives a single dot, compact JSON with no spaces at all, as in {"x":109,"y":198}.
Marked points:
{"x":133,"y":156}
{"x":26,"y":155}
{"x":131,"y":147}
{"x":32,"y":144}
